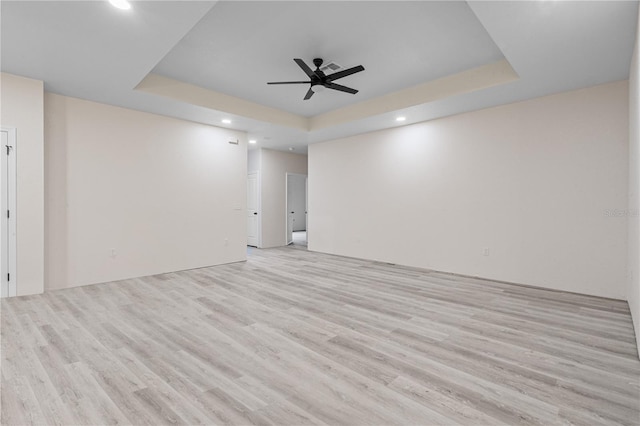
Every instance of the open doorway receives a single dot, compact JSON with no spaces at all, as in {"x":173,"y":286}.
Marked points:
{"x":296,"y":216}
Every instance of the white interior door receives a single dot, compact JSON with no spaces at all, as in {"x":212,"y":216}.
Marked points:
{"x":298,"y":206}
{"x":8,"y":278}
{"x":3,"y":228}
{"x":253,"y":222}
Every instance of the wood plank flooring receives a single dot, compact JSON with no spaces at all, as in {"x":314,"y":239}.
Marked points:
{"x":293,"y":338}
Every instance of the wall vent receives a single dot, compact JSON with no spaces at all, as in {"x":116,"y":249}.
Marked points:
{"x":330,"y":67}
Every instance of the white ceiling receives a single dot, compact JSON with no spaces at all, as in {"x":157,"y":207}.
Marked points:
{"x":93,"y":51}
{"x":239,"y":46}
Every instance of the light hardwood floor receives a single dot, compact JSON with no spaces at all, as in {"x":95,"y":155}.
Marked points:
{"x":292,"y":337}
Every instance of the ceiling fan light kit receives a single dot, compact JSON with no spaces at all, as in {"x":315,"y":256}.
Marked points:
{"x":319,"y":81}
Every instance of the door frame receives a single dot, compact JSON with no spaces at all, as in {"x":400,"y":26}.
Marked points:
{"x":8,"y":213}
{"x":259,"y":204}
{"x":286,"y":206}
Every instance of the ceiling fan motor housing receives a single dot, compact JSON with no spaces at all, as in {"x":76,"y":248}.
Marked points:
{"x":319,"y":76}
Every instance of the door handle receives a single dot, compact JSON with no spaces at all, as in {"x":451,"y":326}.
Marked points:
{"x":255,"y":213}
{"x":292,"y":212}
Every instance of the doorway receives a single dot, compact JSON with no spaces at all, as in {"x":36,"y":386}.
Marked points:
{"x":8,"y":168}
{"x":296,"y":213}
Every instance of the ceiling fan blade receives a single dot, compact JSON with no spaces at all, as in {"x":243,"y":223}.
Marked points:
{"x":309,"y":94}
{"x":289,"y":82}
{"x":341,"y":88}
{"x":344,"y":73}
{"x":305,"y":67}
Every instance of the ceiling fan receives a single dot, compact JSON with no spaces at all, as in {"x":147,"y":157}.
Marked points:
{"x":319,"y":81}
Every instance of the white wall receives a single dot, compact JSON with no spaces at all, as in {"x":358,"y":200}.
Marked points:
{"x":22,"y":108}
{"x":165,"y":194}
{"x":274,"y":166}
{"x":532,"y":181}
{"x":633,"y":290}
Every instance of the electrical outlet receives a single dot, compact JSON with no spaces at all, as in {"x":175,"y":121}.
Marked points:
{"x":113,"y":253}
{"x":485,"y":251}
{"x":226,"y":241}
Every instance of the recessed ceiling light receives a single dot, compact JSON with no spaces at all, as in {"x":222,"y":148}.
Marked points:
{"x":226,"y":121}
{"x":120,"y":4}
{"x":252,"y":141}
{"x":401,"y":118}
